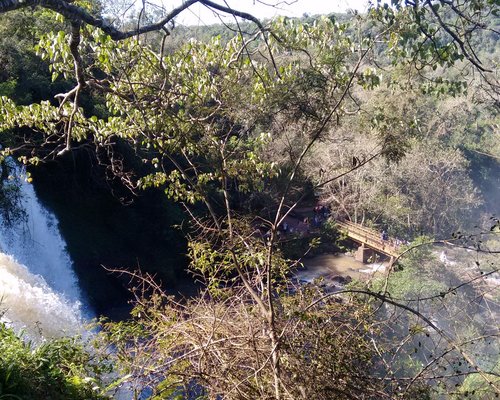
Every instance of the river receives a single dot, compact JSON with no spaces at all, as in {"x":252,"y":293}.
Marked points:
{"x":334,"y":267}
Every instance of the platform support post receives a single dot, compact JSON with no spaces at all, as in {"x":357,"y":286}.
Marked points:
{"x":363,"y":254}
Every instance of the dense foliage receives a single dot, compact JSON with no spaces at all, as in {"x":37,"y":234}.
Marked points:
{"x":59,"y":369}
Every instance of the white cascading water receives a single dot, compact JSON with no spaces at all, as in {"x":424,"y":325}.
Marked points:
{"x":39,"y":290}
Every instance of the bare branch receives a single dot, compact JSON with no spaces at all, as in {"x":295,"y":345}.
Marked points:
{"x":79,"y":14}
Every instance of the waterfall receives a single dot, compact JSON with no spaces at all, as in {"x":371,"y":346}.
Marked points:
{"x":38,"y":288}
{"x":28,"y":303}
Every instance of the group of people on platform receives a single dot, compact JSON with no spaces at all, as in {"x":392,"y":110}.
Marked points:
{"x":321,"y":213}
{"x":384,"y":236}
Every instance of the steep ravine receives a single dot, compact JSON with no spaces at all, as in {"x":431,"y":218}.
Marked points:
{"x":104,"y":226}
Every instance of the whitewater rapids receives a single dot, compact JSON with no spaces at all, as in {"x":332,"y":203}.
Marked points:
{"x":28,"y":303}
{"x":39,"y":291}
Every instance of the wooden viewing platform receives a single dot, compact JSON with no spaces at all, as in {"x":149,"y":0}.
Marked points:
{"x":370,"y":240}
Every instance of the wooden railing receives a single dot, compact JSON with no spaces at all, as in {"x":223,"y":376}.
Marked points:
{"x":369,"y":238}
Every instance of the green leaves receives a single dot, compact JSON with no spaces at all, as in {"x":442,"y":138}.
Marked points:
{"x":425,"y":35}
{"x":57,"y":369}
{"x":440,"y":87}
{"x":43,"y":116}
{"x":54,"y":48}
{"x":369,"y":79}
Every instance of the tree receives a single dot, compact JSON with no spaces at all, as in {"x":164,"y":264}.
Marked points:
{"x":402,"y":193}
{"x":439,"y":34}
{"x":402,"y":25}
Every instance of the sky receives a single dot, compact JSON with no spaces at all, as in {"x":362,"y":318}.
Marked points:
{"x":200,"y":15}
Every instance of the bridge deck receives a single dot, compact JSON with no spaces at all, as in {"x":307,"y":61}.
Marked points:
{"x":369,"y":238}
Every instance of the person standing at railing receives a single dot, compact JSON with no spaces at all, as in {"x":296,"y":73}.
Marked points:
{"x":385,"y":237}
